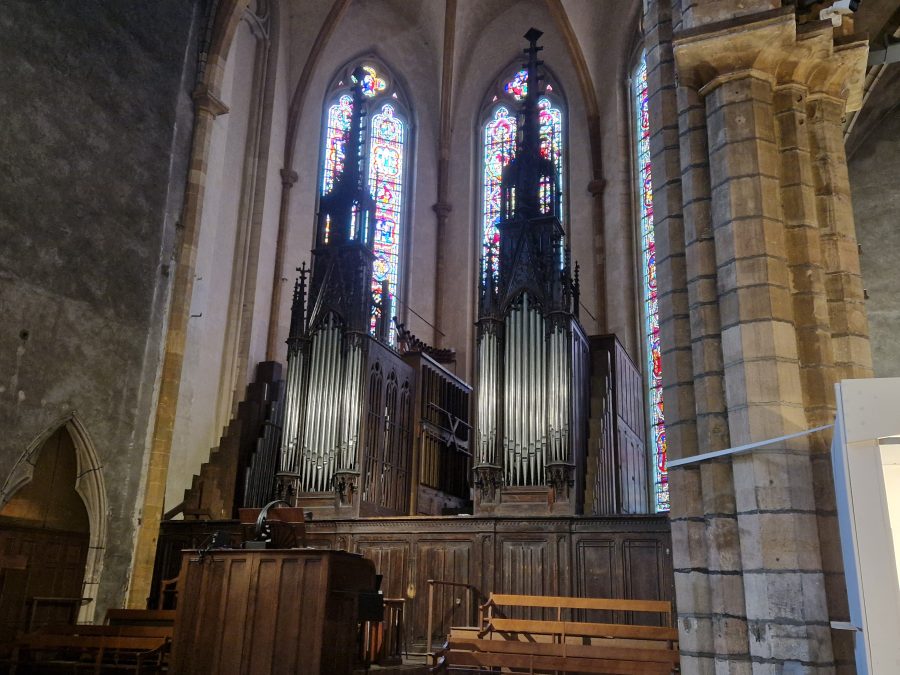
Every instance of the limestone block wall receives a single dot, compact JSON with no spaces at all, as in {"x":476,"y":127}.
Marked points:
{"x":761,"y":310}
{"x":97,"y":119}
{"x":874,"y":165}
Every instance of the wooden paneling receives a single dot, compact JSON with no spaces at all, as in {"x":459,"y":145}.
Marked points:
{"x":392,"y":561}
{"x":54,"y":569}
{"x":618,"y":557}
{"x":278,"y":611}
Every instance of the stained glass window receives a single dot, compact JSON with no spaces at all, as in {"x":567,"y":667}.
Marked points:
{"x":649,"y":291}
{"x":518,"y":85}
{"x":386,"y":134}
{"x":335,"y":139}
{"x":386,"y":183}
{"x":499,"y":147}
{"x":372,"y":83}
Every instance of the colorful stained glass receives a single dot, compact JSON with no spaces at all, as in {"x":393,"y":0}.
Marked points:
{"x":386,"y":155}
{"x":499,"y":147}
{"x":551,"y":146}
{"x":650,"y":293}
{"x":517,"y":87}
{"x":336,"y":136}
{"x":372,"y":84}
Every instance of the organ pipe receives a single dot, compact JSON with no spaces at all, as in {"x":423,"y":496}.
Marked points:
{"x":527,"y":394}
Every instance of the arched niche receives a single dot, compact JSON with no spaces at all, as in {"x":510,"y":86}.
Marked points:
{"x":66,"y":446}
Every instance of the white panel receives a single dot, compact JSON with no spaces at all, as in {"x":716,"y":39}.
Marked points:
{"x":868,"y":498}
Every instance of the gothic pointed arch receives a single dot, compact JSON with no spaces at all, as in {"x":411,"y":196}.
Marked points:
{"x":496,"y":133}
{"x":387,"y":138}
{"x":90,"y":487}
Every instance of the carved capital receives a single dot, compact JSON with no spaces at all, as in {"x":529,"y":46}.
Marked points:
{"x":442,"y":209}
{"x":596,"y":187}
{"x":346,"y":484}
{"x":287,"y":487}
{"x":206,"y":101}
{"x":488,"y":480}
{"x":561,"y":479}
{"x":769,"y":47}
{"x":289,"y":177}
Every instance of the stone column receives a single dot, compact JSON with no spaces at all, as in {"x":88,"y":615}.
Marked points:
{"x":779,"y":278}
{"x":846,"y":304}
{"x":814,"y":339}
{"x":783,"y":582}
{"x":724,"y":578}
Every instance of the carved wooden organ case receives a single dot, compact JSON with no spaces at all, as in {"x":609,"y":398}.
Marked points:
{"x":346,"y":440}
{"x":532,"y":355}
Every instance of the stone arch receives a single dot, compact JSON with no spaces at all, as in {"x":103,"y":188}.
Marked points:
{"x":90,"y":486}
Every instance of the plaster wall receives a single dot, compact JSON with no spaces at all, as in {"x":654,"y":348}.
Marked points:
{"x":93,"y":153}
{"x":203,"y":408}
{"x":874,"y":168}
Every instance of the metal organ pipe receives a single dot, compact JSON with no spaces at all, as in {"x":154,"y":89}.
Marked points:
{"x":328,"y":411}
{"x":306,"y":451}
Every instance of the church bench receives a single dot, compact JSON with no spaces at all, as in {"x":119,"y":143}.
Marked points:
{"x":140,"y":617}
{"x":119,"y":630}
{"x":40,"y":652}
{"x":564,"y":643}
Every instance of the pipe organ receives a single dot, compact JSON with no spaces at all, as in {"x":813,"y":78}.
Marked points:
{"x":345,"y":448}
{"x":532,"y":354}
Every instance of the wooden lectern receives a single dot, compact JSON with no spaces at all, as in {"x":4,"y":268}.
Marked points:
{"x":269,"y":611}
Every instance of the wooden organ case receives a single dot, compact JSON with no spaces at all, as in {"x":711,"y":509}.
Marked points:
{"x":442,"y":435}
{"x":351,"y":399}
{"x":533,"y":362}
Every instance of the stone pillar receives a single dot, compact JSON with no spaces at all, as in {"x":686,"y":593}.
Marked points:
{"x":724,"y":579}
{"x":783,"y":582}
{"x":846,"y":304}
{"x":774,"y":302}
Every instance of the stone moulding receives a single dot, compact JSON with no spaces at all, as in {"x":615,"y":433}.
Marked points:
{"x":772,"y":48}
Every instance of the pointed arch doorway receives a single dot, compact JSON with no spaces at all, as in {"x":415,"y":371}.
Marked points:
{"x":52,"y":530}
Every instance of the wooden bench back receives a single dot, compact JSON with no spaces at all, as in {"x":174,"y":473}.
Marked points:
{"x":140,"y":617}
{"x":104,"y":642}
{"x":563,"y":602}
{"x":560,"y":603}
{"x":123,"y":630}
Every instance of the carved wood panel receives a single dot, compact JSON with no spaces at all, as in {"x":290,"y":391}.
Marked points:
{"x":615,"y":557}
{"x":450,"y":561}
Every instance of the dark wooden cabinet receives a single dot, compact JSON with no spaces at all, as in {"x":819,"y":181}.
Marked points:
{"x":269,"y":611}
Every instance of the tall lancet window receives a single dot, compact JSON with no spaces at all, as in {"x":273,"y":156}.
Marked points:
{"x":498,"y":146}
{"x":649,"y":293}
{"x":387,"y":132}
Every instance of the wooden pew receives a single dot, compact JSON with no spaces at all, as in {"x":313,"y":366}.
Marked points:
{"x":140,"y":617}
{"x":565,"y":643}
{"x":129,"y":641}
{"x":88,"y":653}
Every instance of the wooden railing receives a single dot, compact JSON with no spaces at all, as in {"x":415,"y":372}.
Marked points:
{"x":472,"y":596}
